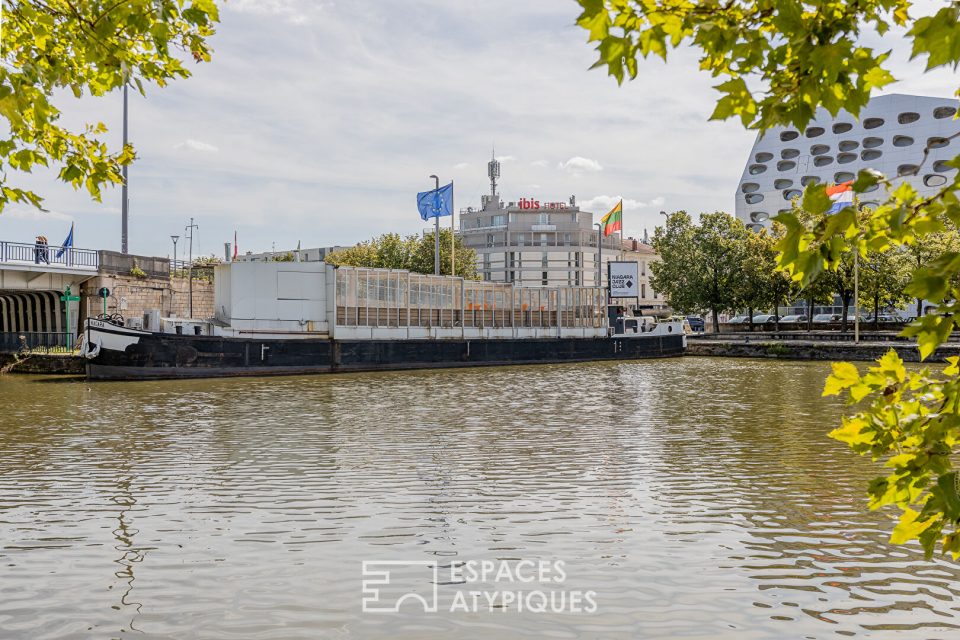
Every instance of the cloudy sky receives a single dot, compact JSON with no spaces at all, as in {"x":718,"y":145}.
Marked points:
{"x":319,"y":120}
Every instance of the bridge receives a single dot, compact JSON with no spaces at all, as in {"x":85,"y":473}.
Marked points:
{"x":32,"y":279}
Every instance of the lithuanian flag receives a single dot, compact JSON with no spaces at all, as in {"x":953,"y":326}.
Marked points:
{"x":613,"y":221}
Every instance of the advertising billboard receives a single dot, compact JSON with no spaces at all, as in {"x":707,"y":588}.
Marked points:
{"x":623,"y":279}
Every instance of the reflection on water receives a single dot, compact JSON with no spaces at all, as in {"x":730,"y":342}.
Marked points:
{"x":696,"y":497}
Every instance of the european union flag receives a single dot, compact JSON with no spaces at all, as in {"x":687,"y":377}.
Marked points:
{"x":68,"y":243}
{"x":436,"y":203}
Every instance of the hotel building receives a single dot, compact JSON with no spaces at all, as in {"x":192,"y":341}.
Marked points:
{"x":536,"y":243}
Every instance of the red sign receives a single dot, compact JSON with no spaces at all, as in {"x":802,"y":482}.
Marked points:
{"x":530,"y":203}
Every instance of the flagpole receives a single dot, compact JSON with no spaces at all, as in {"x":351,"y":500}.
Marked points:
{"x":125,"y":203}
{"x":453,"y":244}
{"x":620,"y":253}
{"x":436,"y":229}
{"x":856,"y":282}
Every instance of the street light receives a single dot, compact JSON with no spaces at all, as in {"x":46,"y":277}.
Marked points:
{"x":125,"y":199}
{"x":599,"y":227}
{"x":174,"y":238}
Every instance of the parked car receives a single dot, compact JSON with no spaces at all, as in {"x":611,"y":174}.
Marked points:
{"x":764,"y":318}
{"x":883,"y":318}
{"x":802,"y":317}
{"x":827,"y":317}
{"x":696,"y":323}
{"x":738,"y":320}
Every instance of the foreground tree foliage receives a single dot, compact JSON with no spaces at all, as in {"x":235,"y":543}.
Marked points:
{"x":798,"y":56}
{"x":85,"y":47}
{"x":413,"y":253}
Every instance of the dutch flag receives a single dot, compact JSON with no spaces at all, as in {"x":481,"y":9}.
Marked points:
{"x":841,"y":195}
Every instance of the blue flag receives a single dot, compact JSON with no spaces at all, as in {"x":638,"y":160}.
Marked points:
{"x":66,"y":243}
{"x":436,"y":203}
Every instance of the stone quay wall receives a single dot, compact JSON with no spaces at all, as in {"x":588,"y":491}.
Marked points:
{"x":131,"y":296}
{"x":812,"y":350}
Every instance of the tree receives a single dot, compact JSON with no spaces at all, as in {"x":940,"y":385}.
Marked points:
{"x":92,"y":46}
{"x":422,"y":258}
{"x":816,"y":291}
{"x":763,"y":285}
{"x":883,"y":280}
{"x":800,"y":56}
{"x":922,"y":254}
{"x":841,"y":281}
{"x":760,"y":260}
{"x":413,"y":253}
{"x":699,"y":265}
{"x":672,"y":275}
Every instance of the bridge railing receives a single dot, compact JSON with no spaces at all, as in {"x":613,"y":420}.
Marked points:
{"x":22,"y":252}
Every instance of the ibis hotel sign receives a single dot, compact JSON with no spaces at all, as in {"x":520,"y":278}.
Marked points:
{"x":526,"y":204}
{"x":623,"y":279}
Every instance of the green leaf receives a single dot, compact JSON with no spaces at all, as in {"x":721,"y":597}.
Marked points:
{"x":909,"y":527}
{"x":844,"y":375}
{"x":866,"y":178}
{"x":594,"y":19}
{"x":947,"y":491}
{"x":815,"y":199}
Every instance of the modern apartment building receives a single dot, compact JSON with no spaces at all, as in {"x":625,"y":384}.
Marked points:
{"x":890,"y":136}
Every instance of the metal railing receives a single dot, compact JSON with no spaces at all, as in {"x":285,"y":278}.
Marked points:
{"x":397,"y":298}
{"x":22,"y":252}
{"x":36,"y":342}
{"x":183,"y":269}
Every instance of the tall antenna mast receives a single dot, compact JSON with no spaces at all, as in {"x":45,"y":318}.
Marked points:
{"x":493,"y":170}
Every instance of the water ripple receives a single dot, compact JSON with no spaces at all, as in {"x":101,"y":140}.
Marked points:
{"x":697,"y":497}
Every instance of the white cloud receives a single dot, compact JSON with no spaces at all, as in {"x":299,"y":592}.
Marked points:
{"x":195,"y":145}
{"x":294,"y":11}
{"x":351,"y":113}
{"x":605,"y":203}
{"x":533,"y":186}
{"x":32,"y":213}
{"x":578,"y":165}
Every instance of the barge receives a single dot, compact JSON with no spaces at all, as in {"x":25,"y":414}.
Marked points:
{"x":301,"y":318}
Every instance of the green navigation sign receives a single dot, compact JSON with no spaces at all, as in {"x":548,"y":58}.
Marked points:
{"x":104,"y":293}
{"x":66,"y":299}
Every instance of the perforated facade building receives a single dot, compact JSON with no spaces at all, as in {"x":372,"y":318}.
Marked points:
{"x":890,"y":136}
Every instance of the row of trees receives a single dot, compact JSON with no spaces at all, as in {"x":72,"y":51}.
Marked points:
{"x":719,"y":266}
{"x":413,"y":253}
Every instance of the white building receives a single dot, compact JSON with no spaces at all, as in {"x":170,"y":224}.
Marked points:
{"x":890,"y":136}
{"x":306,"y":255}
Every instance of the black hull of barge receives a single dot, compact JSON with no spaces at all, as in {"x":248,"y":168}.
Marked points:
{"x":164,"y":356}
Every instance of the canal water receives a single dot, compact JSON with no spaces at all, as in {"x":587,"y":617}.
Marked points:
{"x":695,"y":498}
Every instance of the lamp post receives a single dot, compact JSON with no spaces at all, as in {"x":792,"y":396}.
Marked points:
{"x":174,"y":238}
{"x":189,"y":229}
{"x":125,"y":204}
{"x":599,"y":253}
{"x":436,"y":233}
